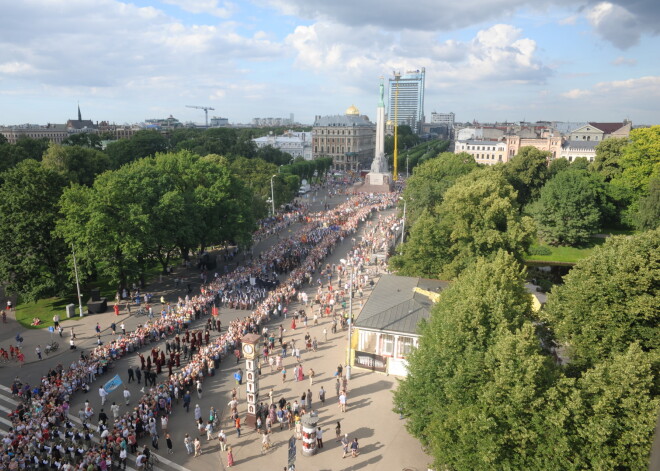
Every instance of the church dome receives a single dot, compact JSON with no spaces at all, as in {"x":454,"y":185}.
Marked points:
{"x":352,"y":110}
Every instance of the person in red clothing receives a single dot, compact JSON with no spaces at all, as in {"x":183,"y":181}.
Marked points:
{"x":116,"y":308}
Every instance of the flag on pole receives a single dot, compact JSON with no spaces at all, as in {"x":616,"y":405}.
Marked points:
{"x":113,"y":384}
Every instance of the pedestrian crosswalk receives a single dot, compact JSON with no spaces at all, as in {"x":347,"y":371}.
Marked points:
{"x":8,"y":404}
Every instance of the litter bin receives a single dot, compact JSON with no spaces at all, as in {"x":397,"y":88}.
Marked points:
{"x":70,"y":310}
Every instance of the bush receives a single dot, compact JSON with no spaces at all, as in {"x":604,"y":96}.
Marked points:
{"x":539,"y":250}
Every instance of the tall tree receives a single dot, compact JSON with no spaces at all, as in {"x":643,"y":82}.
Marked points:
{"x":648,"y":214}
{"x":614,"y":411}
{"x":430,"y":180}
{"x":34,"y":148}
{"x":608,"y":156}
{"x":609,"y":300}
{"x":478,"y":216}
{"x":142,"y":144}
{"x":77,"y":164}
{"x":31,"y":257}
{"x":640,"y":160}
{"x":571,"y":208}
{"x":477,"y":376}
{"x":527,"y":173}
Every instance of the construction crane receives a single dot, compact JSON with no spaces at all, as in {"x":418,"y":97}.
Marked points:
{"x":206,"y":111}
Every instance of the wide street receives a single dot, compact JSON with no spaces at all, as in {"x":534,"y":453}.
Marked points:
{"x":384,"y":443}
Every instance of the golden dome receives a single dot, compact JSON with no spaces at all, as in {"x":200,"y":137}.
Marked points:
{"x":352,"y":110}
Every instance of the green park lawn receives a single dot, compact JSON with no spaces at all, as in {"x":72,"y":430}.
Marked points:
{"x":46,"y":308}
{"x":568,"y":255}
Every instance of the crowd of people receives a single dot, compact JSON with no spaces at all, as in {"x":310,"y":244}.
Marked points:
{"x":43,"y":434}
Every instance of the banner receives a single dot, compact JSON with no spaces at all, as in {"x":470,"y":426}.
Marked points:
{"x":113,"y":384}
{"x":370,"y":361}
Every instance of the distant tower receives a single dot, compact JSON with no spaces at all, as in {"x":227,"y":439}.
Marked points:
{"x":79,"y":115}
{"x":410,"y":89}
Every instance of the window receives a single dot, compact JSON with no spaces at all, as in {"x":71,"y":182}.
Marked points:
{"x":386,"y":344}
{"x":367,"y":341}
{"x":403,"y":347}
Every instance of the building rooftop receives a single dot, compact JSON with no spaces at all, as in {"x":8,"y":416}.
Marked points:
{"x":580,"y":144}
{"x":396,"y":306}
{"x":343,"y":120}
{"x":608,"y":128}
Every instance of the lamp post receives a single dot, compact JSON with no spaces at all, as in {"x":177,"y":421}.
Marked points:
{"x":407,"y":174}
{"x":75,"y":268}
{"x":350,"y":321}
{"x":272,"y":194}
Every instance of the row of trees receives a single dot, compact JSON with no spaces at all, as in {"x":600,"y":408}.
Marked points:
{"x":129,"y":206}
{"x":482,"y":393}
{"x":457,"y":212}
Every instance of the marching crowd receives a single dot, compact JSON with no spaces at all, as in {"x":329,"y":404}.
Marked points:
{"x":43,"y":434}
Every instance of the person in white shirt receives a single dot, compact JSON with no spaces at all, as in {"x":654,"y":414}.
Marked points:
{"x":127,"y":395}
{"x":115,"y":410}
{"x":104,"y":394}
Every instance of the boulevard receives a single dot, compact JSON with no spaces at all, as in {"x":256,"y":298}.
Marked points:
{"x":369,"y":416}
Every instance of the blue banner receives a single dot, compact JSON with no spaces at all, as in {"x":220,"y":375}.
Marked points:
{"x":113,"y":384}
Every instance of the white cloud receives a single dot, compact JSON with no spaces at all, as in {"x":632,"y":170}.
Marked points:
{"x":569,"y":20}
{"x":212,"y":7}
{"x":624,"y":61}
{"x":496,"y":54}
{"x":16,"y":68}
{"x":576,"y":93}
{"x":615,"y":24}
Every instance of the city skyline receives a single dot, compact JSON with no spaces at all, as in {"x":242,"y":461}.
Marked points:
{"x":486,"y":60}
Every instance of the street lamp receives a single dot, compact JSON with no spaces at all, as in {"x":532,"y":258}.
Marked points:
{"x":75,"y":268}
{"x":403,"y":226}
{"x":272,"y":194}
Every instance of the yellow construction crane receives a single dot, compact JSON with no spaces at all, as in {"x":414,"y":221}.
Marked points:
{"x":206,"y":111}
{"x":395,"y":172}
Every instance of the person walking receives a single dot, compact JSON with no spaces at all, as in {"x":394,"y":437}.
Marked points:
{"x":138,"y":374}
{"x":311,"y":376}
{"x":230,"y":457}
{"x":322,"y":395}
{"x":344,"y":445}
{"x":188,"y":443}
{"x":199,"y":389}
{"x":168,"y":440}
{"x":342,"y":401}
{"x":319,"y":437}
{"x":127,"y":395}
{"x":131,"y":375}
{"x":38,"y":350}
{"x":104,"y":394}
{"x":337,"y":387}
{"x":338,"y":431}
{"x":222,"y":438}
{"x":237,"y":424}
{"x":355,"y":448}
{"x":115,"y":410}
{"x":198,"y":447}
{"x":186,"y":401}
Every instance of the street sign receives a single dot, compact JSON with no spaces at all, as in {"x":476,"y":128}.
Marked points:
{"x":292,"y":450}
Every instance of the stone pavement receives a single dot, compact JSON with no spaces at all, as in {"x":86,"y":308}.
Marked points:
{"x":383,"y":440}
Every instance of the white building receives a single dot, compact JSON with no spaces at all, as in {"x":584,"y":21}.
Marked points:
{"x":572,"y":150}
{"x":484,"y":152}
{"x":297,"y":144}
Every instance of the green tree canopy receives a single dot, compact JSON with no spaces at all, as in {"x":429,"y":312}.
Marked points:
{"x":571,"y":208}
{"x":557,"y":166}
{"x":478,"y":376}
{"x":31,"y":257}
{"x":610,"y":300}
{"x":527,"y":173}
{"x":34,"y":148}
{"x":608,"y":156}
{"x":84,"y":139}
{"x":640,"y":160}
{"x":648,"y":214}
{"x":78,"y":164}
{"x":477,"y":217}
{"x":430,"y":180}
{"x":142,"y":144}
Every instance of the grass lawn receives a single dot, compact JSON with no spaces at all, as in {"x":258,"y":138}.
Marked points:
{"x":568,"y":255}
{"x":46,"y":308}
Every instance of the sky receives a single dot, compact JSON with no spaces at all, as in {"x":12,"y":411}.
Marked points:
{"x":485,"y":60}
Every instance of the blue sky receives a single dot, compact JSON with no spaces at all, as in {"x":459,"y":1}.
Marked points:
{"x":485,"y":60}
